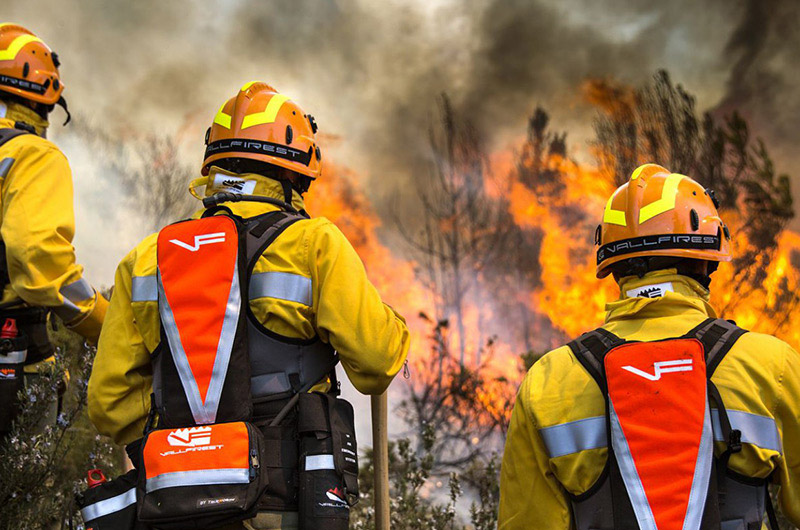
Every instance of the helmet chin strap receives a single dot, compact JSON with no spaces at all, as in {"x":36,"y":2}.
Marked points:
{"x":63,"y":104}
{"x":287,"y":190}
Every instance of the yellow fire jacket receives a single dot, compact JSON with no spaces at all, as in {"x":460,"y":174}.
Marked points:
{"x":760,"y":375}
{"x":333,"y":298}
{"x":37,"y":224}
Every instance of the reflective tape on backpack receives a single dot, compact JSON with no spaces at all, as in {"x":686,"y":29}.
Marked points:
{"x":13,"y":357}
{"x":203,"y":411}
{"x":109,"y":506}
{"x":575,"y":436}
{"x":317,"y":462}
{"x":198,"y":477}
{"x":658,"y":401}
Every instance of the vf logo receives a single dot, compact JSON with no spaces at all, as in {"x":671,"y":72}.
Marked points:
{"x":662,"y":367}
{"x":190,"y":437}
{"x":203,"y":239}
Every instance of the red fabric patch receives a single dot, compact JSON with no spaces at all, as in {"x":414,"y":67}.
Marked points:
{"x":659,"y":394}
{"x":197,"y":262}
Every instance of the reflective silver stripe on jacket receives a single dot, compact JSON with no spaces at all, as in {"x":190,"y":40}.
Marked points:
{"x":590,"y":433}
{"x":203,"y":411}
{"x":144,"y":289}
{"x":200,"y":477}
{"x":109,"y":506}
{"x":575,"y":436}
{"x":5,"y":166}
{"x":67,"y":311}
{"x":77,"y":291}
{"x":315,"y":462}
{"x":281,"y":285}
{"x":756,"y":430}
{"x":13,"y":357}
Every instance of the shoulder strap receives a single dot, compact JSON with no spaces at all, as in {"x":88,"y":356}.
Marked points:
{"x":263,"y":230}
{"x":8,"y":133}
{"x":591,"y":348}
{"x":718,"y":337}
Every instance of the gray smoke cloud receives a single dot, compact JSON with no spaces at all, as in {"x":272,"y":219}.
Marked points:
{"x":371,"y":71}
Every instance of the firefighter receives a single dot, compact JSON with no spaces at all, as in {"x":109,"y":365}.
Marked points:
{"x":38,"y":270}
{"x":309,"y":283}
{"x":556,"y":471}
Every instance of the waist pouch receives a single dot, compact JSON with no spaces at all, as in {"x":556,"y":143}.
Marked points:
{"x":112,"y":505}
{"x":201,"y":477}
{"x":32,"y":324}
{"x":13,"y":353}
{"x":282,"y":453}
{"x":328,"y":474}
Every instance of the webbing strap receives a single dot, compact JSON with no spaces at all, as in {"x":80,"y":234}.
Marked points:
{"x":7,"y":134}
{"x":263,"y":231}
{"x":591,"y":348}
{"x":718,"y":337}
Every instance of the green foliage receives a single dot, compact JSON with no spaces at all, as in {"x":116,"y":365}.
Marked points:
{"x":416,"y":500}
{"x":43,"y":463}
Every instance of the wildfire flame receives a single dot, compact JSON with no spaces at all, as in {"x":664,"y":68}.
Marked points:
{"x":569,"y":295}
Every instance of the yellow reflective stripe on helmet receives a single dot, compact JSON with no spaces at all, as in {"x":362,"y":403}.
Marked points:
{"x":614,"y":217}
{"x":638,"y":171}
{"x":269,"y":114}
{"x":247,"y":85}
{"x":16,"y":45}
{"x":223,"y":119}
{"x":667,"y":201}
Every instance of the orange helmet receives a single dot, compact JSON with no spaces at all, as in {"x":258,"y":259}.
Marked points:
{"x":261,"y":124}
{"x":28,"y":67}
{"x":658,"y":213}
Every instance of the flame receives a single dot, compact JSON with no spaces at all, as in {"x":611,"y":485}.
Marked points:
{"x":569,"y":298}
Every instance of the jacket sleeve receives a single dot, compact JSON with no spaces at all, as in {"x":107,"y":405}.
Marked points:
{"x":371,"y":338}
{"x":787,"y":416}
{"x":37,"y":229}
{"x":121,"y":379}
{"x":530,"y":495}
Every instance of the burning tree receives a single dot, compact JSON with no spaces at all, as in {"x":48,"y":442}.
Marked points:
{"x":660,"y":122}
{"x":463,"y":231}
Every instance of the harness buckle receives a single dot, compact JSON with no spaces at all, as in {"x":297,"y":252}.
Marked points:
{"x":735,"y":441}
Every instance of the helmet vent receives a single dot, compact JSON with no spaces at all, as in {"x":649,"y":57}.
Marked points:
{"x":26,"y":70}
{"x":713,"y":196}
{"x":695,"y":220}
{"x":319,"y":155}
{"x":56,"y":84}
{"x":289,"y":134}
{"x":726,"y":231}
{"x":56,"y":61}
{"x":597,"y":233}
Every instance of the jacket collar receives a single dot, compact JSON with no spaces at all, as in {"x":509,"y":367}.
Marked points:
{"x":247,"y":184}
{"x":11,"y":112}
{"x":659,"y":294}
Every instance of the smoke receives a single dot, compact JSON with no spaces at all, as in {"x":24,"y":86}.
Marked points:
{"x":370,"y":72}
{"x":764,"y":77}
